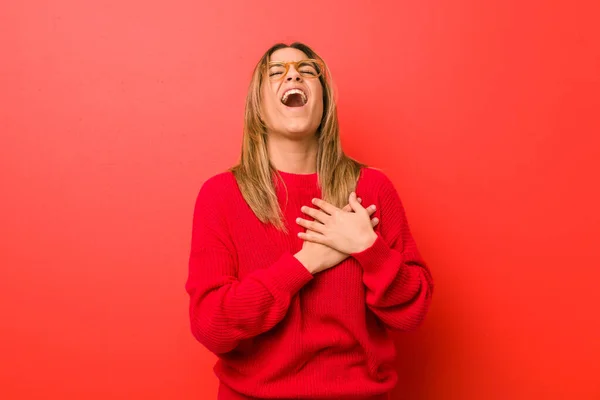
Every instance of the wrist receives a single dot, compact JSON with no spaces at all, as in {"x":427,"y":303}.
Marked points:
{"x":307,"y":261}
{"x":367,"y":241}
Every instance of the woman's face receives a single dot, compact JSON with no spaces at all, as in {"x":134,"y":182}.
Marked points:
{"x":291,"y":114}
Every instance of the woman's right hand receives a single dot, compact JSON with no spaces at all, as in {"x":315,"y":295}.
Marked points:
{"x":318,"y":257}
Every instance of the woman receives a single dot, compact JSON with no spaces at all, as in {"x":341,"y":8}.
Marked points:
{"x":292,"y":282}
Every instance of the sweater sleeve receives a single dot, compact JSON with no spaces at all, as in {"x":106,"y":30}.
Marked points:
{"x":224,"y":309}
{"x":399,"y":284}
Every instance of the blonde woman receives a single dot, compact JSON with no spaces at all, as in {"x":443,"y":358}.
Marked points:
{"x":293,"y":284}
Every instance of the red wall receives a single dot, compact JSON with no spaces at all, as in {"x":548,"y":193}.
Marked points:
{"x":484,"y":114}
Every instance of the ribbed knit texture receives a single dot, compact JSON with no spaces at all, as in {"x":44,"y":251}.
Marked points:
{"x":282,"y":333}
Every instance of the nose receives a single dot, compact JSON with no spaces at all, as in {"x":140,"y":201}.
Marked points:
{"x":293,"y":75}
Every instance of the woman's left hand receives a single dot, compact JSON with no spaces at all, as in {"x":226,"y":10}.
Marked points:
{"x":348,"y":232}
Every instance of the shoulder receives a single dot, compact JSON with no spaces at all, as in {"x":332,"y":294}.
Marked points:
{"x":219,"y":183}
{"x":218,"y":188}
{"x":215,"y":193}
{"x":376,"y":182}
{"x":374,"y":179}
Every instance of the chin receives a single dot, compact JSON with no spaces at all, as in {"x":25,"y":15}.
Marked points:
{"x":299,"y":126}
{"x":299,"y":129}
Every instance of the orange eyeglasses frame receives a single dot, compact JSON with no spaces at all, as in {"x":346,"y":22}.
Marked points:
{"x":316,"y":64}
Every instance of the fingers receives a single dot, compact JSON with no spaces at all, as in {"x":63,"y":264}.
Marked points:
{"x":311,"y":225}
{"x":371,"y":209}
{"x":313,"y":237}
{"x":354,"y":202}
{"x":318,"y":215}
{"x":328,"y":209}
{"x":347,"y":208}
{"x":325,"y":206}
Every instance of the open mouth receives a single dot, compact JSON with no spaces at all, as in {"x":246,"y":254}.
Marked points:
{"x":294,"y":98}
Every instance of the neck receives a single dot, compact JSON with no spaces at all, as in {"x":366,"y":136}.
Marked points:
{"x":293,"y":156}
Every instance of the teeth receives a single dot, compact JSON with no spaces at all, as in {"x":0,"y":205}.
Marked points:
{"x":293,"y":91}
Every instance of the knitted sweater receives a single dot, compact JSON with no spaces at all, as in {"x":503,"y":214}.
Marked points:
{"x":281,"y":332}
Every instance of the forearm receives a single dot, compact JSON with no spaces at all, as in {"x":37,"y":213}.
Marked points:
{"x":225,"y":310}
{"x":399,"y":285}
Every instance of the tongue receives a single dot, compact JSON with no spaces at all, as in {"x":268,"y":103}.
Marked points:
{"x":294,"y":100}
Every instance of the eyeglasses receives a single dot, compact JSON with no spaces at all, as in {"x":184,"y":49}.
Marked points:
{"x":310,"y":68}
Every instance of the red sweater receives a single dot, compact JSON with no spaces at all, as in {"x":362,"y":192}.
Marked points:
{"x":280,"y":332}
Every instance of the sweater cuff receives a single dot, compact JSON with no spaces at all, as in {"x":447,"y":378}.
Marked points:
{"x":288,"y":275}
{"x":374,"y":257}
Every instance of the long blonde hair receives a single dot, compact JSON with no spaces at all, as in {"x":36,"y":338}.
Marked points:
{"x":337,"y":173}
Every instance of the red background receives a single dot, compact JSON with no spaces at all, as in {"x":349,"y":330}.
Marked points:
{"x":484,"y":114}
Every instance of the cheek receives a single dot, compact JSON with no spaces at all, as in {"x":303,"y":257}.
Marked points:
{"x":267,"y":103}
{"x":319,"y":107}
{"x":318,"y":93}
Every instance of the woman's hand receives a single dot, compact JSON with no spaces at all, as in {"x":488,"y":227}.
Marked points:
{"x":318,"y":257}
{"x":346,"y":232}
